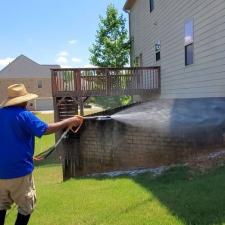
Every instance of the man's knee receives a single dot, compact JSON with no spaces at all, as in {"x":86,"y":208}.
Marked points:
{"x":25,"y":197}
{"x":27,"y":204}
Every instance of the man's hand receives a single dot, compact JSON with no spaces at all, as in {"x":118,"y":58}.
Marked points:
{"x":74,"y":121}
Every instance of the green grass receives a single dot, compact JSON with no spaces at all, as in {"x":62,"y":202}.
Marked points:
{"x":178,"y":197}
{"x":46,"y":141}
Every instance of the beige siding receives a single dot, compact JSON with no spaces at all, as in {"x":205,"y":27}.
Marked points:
{"x":204,"y":78}
{"x":31,"y":85}
{"x":44,"y":104}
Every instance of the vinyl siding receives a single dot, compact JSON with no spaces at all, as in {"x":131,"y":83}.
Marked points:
{"x":204,"y":78}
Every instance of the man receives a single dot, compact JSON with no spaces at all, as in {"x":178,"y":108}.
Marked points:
{"x":18,"y":128}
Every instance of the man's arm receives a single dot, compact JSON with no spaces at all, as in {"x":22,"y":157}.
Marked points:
{"x":55,"y":127}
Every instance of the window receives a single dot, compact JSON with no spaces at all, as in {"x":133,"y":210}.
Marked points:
{"x":157,"y":51}
{"x":188,"y":43}
{"x":189,"y":54}
{"x":138,"y":61}
{"x":157,"y":56}
{"x":39,"y":83}
{"x":151,"y":4}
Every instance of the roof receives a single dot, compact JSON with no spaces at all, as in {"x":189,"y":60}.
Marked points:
{"x":23,"y":67}
{"x":129,"y":4}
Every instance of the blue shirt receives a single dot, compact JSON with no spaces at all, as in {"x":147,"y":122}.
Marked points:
{"x":18,"y":128}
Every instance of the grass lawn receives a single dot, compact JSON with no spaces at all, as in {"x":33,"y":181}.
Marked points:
{"x":176,"y":197}
{"x":46,"y":141}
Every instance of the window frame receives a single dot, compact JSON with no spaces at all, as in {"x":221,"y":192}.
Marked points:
{"x":189,"y":43}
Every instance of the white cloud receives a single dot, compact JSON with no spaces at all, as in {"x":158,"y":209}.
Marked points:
{"x":89,"y":66}
{"x":65,"y":66}
{"x":76,"y":60}
{"x":63,"y":53}
{"x":188,"y":40}
{"x":72,"y":42}
{"x":6,"y":61}
{"x":62,"y":60}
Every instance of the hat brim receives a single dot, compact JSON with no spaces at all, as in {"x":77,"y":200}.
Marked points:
{"x":18,"y":100}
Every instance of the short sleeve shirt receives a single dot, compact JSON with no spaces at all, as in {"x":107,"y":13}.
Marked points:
{"x":18,"y":128}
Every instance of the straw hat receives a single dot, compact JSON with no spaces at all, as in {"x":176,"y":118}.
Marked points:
{"x":17,"y":94}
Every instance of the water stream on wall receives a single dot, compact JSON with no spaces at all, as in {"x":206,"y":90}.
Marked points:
{"x":176,"y":116}
{"x":146,"y":119}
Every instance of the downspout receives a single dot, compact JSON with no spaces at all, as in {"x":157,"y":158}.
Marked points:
{"x":128,"y":12}
{"x":131,"y":47}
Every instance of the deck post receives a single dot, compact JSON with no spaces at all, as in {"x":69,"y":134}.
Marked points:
{"x":81,"y":104}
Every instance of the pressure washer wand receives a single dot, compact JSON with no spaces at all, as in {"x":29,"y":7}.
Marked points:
{"x":97,"y":118}
{"x":75,"y":130}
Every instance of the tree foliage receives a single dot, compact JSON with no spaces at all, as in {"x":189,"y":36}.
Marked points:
{"x":110,"y":102}
{"x":111,"y":47}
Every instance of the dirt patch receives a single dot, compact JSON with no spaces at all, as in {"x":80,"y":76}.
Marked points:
{"x":203,"y":163}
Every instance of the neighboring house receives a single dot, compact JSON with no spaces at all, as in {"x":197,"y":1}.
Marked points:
{"x":36,"y":77}
{"x":186,"y":39}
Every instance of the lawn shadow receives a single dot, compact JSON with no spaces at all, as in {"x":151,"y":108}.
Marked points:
{"x":196,"y":200}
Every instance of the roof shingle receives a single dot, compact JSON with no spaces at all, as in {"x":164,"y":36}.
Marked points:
{"x":22,"y":66}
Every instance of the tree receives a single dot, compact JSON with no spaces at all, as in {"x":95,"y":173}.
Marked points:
{"x":111,"y":49}
{"x":112,"y":46}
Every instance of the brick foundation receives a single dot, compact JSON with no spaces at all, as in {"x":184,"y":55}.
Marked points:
{"x":110,"y":145}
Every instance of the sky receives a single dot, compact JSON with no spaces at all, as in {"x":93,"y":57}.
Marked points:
{"x":51,"y":31}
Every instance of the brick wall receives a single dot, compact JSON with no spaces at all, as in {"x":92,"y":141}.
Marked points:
{"x":108,"y":145}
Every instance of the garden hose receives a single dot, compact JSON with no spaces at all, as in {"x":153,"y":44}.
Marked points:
{"x":49,"y":151}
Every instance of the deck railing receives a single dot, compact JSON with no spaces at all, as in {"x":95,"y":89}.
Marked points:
{"x":105,"y":81}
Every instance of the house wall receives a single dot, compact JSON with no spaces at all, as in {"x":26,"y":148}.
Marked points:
{"x":44,"y":104}
{"x":204,"y":78}
{"x":44,"y":93}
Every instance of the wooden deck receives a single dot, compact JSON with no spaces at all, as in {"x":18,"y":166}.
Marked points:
{"x":77,"y":84}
